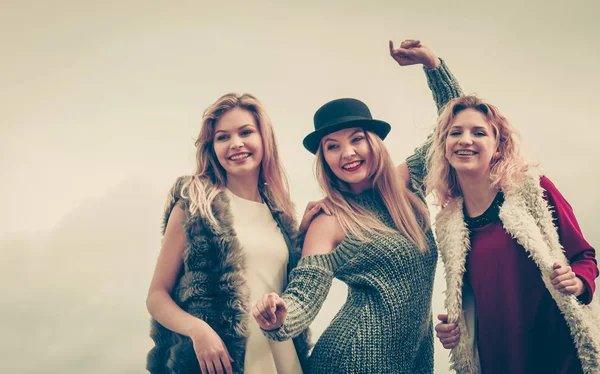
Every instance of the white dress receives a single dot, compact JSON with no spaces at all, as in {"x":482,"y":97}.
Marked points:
{"x":266,"y":265}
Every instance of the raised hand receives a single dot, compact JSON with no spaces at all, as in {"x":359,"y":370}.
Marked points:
{"x":313,"y":208}
{"x":566,"y":281}
{"x":211,"y":352}
{"x":270,"y":311}
{"x":412,"y":52}
{"x":448,"y":333}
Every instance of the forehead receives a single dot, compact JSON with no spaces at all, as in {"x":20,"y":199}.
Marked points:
{"x":234,"y":119}
{"x":343,"y":133}
{"x":470,"y":118}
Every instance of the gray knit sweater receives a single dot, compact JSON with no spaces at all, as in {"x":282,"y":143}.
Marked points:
{"x":385,"y":326}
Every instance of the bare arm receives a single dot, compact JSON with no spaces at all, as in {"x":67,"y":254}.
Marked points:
{"x":324,"y":234}
{"x":208,"y":346}
{"x":159,"y":302}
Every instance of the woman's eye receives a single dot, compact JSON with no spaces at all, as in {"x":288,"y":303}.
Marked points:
{"x":246,"y":132}
{"x":480,"y":133}
{"x":221,"y":138}
{"x":331,"y":146}
{"x":357,"y":139}
{"x":454,"y":133}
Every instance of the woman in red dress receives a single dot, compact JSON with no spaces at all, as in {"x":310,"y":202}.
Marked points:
{"x":519,"y":273}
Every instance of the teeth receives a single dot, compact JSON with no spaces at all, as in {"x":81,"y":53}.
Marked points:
{"x":466,"y":153}
{"x":352,"y":165}
{"x":239,"y":157}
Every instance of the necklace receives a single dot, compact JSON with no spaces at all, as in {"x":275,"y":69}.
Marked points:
{"x":490,"y":214}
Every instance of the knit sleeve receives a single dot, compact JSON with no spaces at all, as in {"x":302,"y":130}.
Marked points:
{"x":581,"y":255}
{"x":444,"y":87}
{"x":443,"y":84}
{"x":417,"y":168}
{"x":304,"y":296}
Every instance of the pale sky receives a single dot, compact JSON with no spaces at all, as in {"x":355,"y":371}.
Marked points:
{"x":101,"y":103}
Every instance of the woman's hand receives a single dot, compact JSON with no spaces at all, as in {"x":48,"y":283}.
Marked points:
{"x":448,"y":333}
{"x":566,"y":281}
{"x":412,"y":52}
{"x":270,"y":311}
{"x":312,"y":210}
{"x":211,"y":352}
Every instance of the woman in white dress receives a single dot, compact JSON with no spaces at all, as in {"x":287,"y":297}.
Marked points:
{"x":229,"y":234}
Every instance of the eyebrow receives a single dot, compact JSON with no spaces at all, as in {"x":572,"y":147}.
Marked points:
{"x":351,"y":135}
{"x":239,"y":128}
{"x":473,"y":128}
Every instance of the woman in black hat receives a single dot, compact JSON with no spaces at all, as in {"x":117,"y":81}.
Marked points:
{"x":378,"y":241}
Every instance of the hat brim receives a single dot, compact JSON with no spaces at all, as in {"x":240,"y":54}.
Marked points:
{"x":312,"y":141}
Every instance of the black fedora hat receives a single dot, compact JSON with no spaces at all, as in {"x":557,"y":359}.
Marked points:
{"x":342,"y":114}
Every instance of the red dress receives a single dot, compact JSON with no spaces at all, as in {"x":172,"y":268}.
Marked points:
{"x":520,"y":328}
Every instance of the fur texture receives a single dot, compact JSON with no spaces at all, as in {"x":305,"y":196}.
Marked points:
{"x":212,"y":286}
{"x":527,"y":217}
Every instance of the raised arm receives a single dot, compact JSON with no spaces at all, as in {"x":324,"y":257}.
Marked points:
{"x":442,"y":83}
{"x":444,"y":87}
{"x":285,"y":317}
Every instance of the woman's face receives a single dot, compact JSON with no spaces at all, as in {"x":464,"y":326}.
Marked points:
{"x":470,"y":144}
{"x":349,"y":155}
{"x":238,"y":144}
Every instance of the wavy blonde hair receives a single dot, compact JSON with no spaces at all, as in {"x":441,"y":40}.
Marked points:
{"x":506,"y":167}
{"x":407,"y":210}
{"x":210,"y":177}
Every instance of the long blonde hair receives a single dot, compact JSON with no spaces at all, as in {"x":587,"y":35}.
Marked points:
{"x":272,"y":180}
{"x":407,"y":210}
{"x":507,"y":165}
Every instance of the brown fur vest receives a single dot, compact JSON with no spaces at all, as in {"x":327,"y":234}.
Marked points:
{"x":212,"y":286}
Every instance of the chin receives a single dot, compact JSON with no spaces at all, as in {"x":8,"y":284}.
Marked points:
{"x":471,"y":171}
{"x":355,"y":180}
{"x":464,"y":169}
{"x":461,"y":169}
{"x":242,"y":171}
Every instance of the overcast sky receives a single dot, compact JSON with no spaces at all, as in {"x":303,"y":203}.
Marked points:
{"x":101,"y":103}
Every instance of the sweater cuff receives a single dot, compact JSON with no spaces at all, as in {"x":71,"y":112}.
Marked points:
{"x":443,"y":85}
{"x":280,"y":334}
{"x":586,"y":297}
{"x":587,"y":271}
{"x":304,"y":297}
{"x":588,"y":292}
